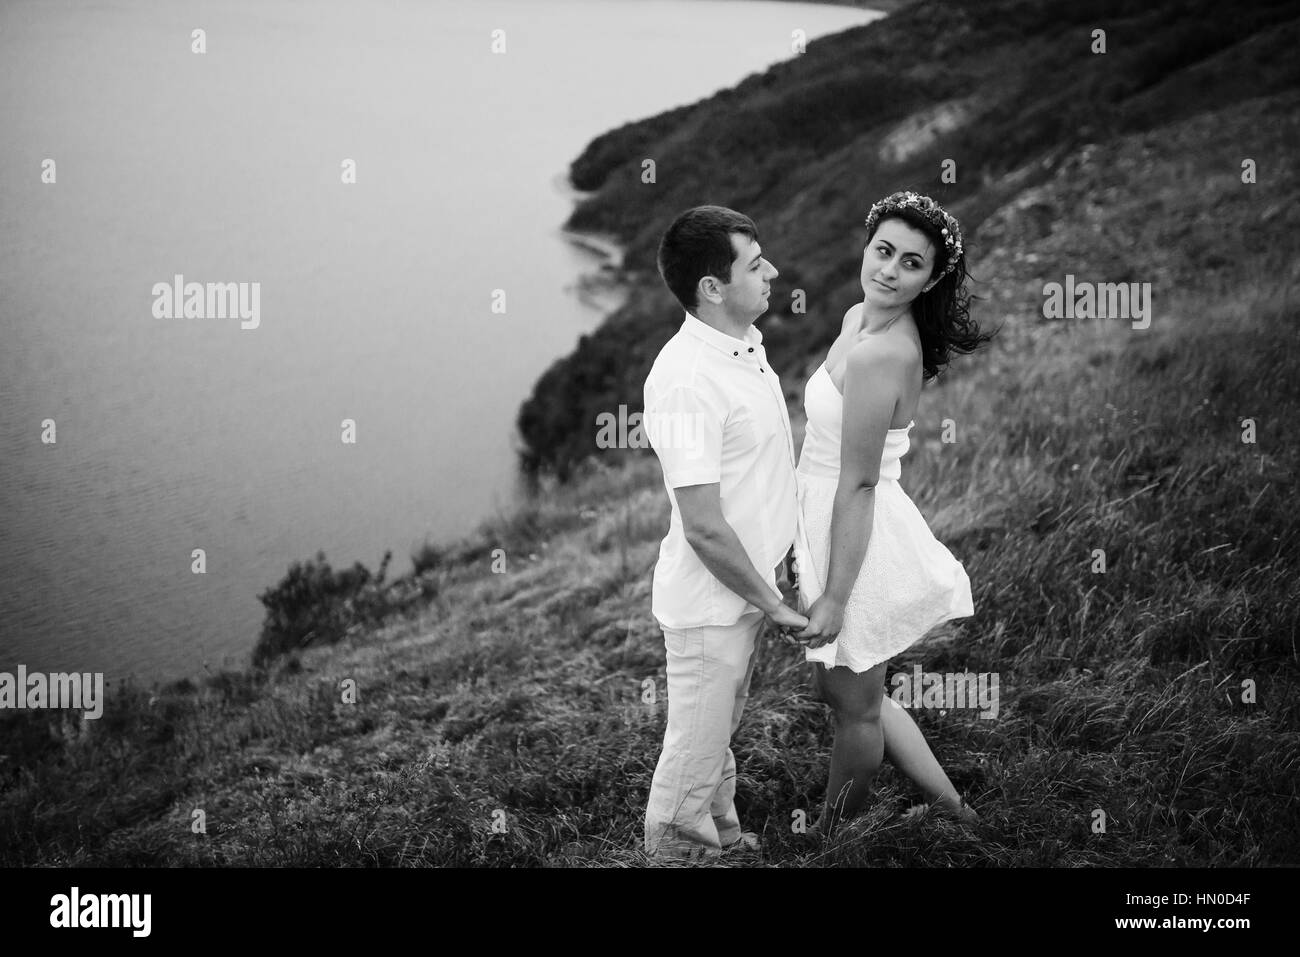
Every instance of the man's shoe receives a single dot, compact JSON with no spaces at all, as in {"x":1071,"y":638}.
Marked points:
{"x":747,"y":843}
{"x":682,"y":854}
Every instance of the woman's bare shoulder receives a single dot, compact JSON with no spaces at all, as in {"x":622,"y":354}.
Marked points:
{"x":880,"y":349}
{"x":886,"y":362}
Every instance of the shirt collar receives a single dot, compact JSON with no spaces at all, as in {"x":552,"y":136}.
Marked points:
{"x":723,"y":342}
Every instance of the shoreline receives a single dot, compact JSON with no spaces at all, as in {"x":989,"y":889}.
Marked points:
{"x":879,"y":6}
{"x":600,"y":244}
{"x":608,"y":288}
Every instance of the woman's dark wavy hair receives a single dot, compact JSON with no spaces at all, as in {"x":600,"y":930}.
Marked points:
{"x":942,"y":314}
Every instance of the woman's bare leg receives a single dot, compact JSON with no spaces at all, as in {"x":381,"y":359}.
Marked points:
{"x":859,"y":747}
{"x":856,"y":753}
{"x":907,"y":750}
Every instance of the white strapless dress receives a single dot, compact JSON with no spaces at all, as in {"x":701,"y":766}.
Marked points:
{"x":909,"y":581}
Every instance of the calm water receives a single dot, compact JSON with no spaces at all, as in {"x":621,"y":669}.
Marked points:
{"x":375,"y":298}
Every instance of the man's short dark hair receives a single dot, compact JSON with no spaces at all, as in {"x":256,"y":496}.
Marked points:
{"x":698,"y":244}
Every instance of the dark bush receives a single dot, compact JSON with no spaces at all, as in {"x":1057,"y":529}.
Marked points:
{"x":314,"y":605}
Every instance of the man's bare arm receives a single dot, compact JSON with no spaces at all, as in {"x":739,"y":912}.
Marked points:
{"x":720,"y":549}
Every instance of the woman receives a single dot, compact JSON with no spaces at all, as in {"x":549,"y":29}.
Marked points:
{"x":872,"y":578}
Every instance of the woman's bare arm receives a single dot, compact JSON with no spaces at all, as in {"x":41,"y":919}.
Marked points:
{"x":874,"y":381}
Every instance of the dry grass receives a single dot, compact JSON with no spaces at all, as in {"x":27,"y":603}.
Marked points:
{"x":521,"y":692}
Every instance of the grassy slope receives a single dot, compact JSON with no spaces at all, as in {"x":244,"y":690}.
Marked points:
{"x":803,"y":148}
{"x":522,"y":691}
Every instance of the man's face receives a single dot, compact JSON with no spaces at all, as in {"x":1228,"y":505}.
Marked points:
{"x":746,"y":296}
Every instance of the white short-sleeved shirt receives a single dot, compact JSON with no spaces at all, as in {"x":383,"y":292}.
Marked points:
{"x":714,"y":412}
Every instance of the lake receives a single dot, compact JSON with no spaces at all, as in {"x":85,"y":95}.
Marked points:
{"x":383,"y":183}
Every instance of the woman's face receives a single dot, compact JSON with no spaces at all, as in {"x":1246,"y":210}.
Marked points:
{"x":896,"y":264}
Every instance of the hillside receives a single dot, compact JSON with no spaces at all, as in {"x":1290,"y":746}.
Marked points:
{"x":1008,"y":89}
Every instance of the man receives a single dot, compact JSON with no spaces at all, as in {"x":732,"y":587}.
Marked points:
{"x":716,"y":417}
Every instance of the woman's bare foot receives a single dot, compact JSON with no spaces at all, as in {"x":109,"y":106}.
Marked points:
{"x":960,"y":811}
{"x":957,"y":810}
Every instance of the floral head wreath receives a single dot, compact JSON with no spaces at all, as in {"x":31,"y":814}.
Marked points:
{"x":931,"y":211}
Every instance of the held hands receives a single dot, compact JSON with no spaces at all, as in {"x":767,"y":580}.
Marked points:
{"x":786,"y":620}
{"x":825,"y":619}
